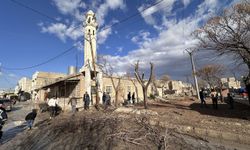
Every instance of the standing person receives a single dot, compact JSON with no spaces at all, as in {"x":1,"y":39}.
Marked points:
{"x":231,"y":100}
{"x":214,"y":97}
{"x":108,"y":101}
{"x":133,"y":97}
{"x":3,"y":118}
{"x":202,"y":98}
{"x":104,"y":98}
{"x":129,"y":97}
{"x":30,"y":118}
{"x":52,"y":106}
{"x":73,"y":103}
{"x":86,"y":100}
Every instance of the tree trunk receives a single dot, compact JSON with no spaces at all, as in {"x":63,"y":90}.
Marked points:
{"x":145,"y":98}
{"x":116,"y":98}
{"x":137,"y":97}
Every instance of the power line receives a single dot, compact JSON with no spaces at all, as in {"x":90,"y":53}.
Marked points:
{"x":42,"y":63}
{"x":39,"y":12}
{"x":71,"y":48}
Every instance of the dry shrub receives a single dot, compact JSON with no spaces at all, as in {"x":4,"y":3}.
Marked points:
{"x":100,"y":131}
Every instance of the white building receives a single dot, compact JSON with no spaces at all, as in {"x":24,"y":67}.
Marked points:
{"x":231,"y":82}
{"x":24,"y":84}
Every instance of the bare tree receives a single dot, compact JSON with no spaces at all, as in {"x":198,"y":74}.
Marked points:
{"x":108,"y":70}
{"x":211,"y":74}
{"x":229,"y":34}
{"x":140,"y":78}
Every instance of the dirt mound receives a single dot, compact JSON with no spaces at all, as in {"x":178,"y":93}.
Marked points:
{"x":100,"y":130}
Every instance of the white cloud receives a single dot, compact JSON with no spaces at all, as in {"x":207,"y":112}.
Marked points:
{"x":74,"y":8}
{"x":166,"y":50}
{"x":147,"y":12}
{"x":104,"y":8}
{"x":186,"y":2}
{"x":62,"y":31}
{"x":70,"y":7}
{"x":12,"y":75}
{"x":79,"y":45}
{"x":119,"y":49}
{"x":103,"y":35}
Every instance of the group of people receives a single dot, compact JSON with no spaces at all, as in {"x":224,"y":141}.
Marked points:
{"x":215,"y":96}
{"x":131,"y":99}
{"x":106,"y":100}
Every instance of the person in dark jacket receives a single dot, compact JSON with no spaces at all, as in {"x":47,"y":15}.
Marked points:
{"x":133,"y":97}
{"x":214,"y":97}
{"x":104,"y":96}
{"x":231,"y":100}
{"x":202,"y":98}
{"x":3,"y":118}
{"x":30,"y":117}
{"x":108,"y":101}
{"x":86,"y":100}
{"x":129,"y":97}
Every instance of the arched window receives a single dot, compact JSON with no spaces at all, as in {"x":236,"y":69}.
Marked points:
{"x":89,"y":20}
{"x":93,"y":32}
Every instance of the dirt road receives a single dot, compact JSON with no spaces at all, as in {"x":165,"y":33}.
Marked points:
{"x":16,"y":123}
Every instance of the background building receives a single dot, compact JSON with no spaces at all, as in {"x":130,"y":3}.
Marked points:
{"x":231,"y":82}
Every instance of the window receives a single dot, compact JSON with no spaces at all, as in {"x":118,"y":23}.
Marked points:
{"x":108,"y":89}
{"x":93,"y":89}
{"x":93,"y":32}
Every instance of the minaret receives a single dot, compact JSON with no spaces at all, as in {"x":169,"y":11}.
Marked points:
{"x":90,"y":28}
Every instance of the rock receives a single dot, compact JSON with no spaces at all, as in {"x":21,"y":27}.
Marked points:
{"x":124,"y":110}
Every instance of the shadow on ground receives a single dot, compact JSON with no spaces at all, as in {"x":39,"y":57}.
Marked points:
{"x":16,"y":108}
{"x":12,"y":132}
{"x":240,"y":111}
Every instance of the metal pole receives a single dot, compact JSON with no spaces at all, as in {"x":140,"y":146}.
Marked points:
{"x":64,"y":95}
{"x":194,"y":73}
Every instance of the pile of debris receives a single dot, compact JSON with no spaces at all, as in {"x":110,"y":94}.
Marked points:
{"x":103,"y":130}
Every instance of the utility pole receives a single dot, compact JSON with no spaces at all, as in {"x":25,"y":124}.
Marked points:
{"x":190,"y":52}
{"x":95,"y":73}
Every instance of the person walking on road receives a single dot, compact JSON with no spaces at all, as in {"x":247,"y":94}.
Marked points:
{"x":52,"y":106}
{"x":202,"y":98}
{"x":30,"y":118}
{"x":86,"y":100}
{"x":214,"y":97}
{"x":3,"y":118}
{"x":231,"y":100}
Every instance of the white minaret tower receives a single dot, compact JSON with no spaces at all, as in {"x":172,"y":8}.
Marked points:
{"x":90,"y":28}
{"x":90,"y":39}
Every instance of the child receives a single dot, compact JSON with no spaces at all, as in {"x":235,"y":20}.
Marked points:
{"x":31,"y":117}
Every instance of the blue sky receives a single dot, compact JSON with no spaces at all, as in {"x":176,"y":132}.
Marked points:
{"x":159,"y":34}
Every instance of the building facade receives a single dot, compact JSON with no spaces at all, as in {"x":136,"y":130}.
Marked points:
{"x":231,"y":82}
